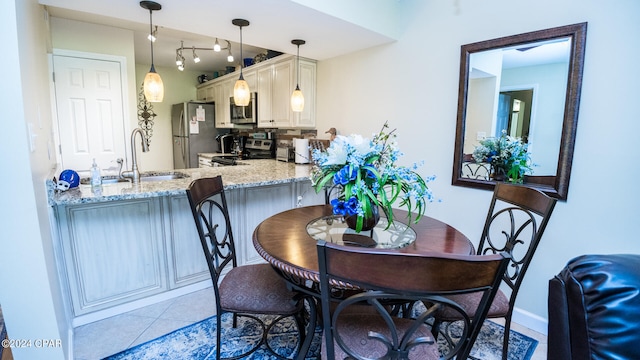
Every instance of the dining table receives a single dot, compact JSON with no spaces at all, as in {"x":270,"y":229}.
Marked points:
{"x":287,"y":240}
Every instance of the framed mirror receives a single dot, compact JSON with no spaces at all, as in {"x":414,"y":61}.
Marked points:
{"x":526,"y":86}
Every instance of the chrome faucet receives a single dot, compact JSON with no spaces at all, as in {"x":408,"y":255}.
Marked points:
{"x":134,"y":174}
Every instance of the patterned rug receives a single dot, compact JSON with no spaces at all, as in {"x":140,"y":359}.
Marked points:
{"x":3,"y":331}
{"x":197,"y":342}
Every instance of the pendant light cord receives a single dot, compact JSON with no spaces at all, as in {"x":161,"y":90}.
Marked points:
{"x":150,"y":31}
{"x":241,"y":57}
{"x":298,"y":75}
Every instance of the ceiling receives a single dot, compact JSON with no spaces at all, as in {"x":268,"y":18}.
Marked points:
{"x":273,"y":24}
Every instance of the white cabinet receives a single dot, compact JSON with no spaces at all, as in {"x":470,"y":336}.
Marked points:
{"x":274,"y":80}
{"x":269,"y":200}
{"x":185,"y":258}
{"x":281,"y":91}
{"x":206,"y":92}
{"x":113,"y":252}
{"x":264,"y":84}
{"x":306,"y":118}
{"x":223,"y":90}
{"x":116,"y":254}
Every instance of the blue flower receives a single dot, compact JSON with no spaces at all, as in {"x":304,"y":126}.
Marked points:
{"x":366,"y":170}
{"x":345,"y":175}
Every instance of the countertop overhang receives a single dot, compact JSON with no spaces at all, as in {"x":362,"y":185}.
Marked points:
{"x":255,"y":173}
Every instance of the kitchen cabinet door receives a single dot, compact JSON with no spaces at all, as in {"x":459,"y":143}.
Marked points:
{"x":281,"y":93}
{"x":206,"y":92}
{"x":185,"y":256}
{"x":264,"y":83}
{"x":306,"y":118}
{"x":113,"y":253}
{"x":261,"y":202}
{"x":223,"y":91}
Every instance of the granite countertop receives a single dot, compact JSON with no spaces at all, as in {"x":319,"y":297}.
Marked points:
{"x":252,"y":173}
{"x":210,"y":155}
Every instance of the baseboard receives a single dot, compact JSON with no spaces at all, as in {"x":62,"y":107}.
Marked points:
{"x":134,"y":305}
{"x":530,"y":321}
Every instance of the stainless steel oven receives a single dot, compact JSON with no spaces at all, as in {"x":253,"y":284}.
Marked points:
{"x":244,"y":114}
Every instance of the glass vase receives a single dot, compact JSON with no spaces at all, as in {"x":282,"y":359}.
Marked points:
{"x":369,"y":219}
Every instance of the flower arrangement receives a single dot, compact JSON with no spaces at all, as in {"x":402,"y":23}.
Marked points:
{"x":367,"y":177}
{"x":508,"y":156}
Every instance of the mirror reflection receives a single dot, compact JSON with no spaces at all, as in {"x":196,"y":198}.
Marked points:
{"x":519,"y":90}
{"x":526,"y":87}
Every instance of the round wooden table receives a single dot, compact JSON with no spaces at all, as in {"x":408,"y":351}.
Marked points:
{"x":284,"y":241}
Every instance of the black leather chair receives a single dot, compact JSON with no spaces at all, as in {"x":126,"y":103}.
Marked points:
{"x":594,"y":309}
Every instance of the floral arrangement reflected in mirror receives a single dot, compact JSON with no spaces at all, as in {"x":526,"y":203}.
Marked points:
{"x":146,"y":115}
{"x":508,"y":156}
{"x":368,"y":179}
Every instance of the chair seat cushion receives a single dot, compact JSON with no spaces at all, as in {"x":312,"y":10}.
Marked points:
{"x":499,"y":306}
{"x":256,"y":289}
{"x":354,"y":328}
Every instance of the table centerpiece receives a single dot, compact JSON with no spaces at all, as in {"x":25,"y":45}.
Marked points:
{"x":508,"y":156}
{"x":368,"y":179}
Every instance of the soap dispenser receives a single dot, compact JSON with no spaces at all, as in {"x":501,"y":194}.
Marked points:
{"x":96,"y":179}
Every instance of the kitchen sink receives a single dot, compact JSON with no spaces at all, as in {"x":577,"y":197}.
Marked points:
{"x":144,"y":177}
{"x":162,"y":177}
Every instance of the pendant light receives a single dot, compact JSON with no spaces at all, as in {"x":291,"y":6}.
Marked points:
{"x":297,"y":98}
{"x":153,"y":87}
{"x":241,"y":92}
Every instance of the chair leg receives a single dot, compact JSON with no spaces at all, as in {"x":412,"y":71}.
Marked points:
{"x":435,"y":328}
{"x":507,"y":332}
{"x":218,"y":336}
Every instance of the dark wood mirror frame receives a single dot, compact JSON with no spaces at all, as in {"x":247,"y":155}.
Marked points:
{"x":558,"y":185}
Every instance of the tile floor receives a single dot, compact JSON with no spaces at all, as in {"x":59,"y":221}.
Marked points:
{"x":112,"y":335}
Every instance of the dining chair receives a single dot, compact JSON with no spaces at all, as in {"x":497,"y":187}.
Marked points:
{"x":387,"y":277}
{"x":516,"y":220}
{"x":245,"y":291}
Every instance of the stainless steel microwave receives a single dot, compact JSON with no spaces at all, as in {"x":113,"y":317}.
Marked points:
{"x":245,"y":114}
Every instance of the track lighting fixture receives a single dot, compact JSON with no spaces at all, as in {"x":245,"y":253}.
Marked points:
{"x":230,"y":55}
{"x":241,"y":91}
{"x":153,"y":86}
{"x":297,"y":98}
{"x":196,"y":58}
{"x":152,"y":36}
{"x":180,"y":57}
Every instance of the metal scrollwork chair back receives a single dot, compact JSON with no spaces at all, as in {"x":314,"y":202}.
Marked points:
{"x":352,"y":330}
{"x":517,"y":218}
{"x":244,"y":290}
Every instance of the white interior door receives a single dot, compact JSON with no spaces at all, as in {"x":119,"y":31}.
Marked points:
{"x":90,"y":113}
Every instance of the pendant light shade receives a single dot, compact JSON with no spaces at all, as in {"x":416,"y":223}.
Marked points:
{"x":241,"y":91}
{"x":153,"y":87}
{"x":297,"y":98}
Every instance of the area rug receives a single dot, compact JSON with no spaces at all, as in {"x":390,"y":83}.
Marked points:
{"x":197,"y":342}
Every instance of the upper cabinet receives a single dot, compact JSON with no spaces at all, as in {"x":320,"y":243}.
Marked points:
{"x":274,"y":80}
{"x":307,"y":118}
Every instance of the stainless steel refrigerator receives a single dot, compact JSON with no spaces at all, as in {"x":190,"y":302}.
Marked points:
{"x":193,"y":129}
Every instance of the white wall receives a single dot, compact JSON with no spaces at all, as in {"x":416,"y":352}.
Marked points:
{"x":29,"y":292}
{"x":358,"y":92}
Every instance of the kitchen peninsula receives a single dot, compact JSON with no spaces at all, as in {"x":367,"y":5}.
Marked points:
{"x":132,"y":245}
